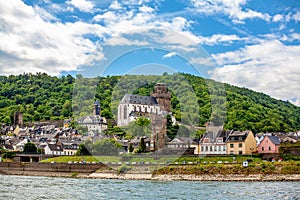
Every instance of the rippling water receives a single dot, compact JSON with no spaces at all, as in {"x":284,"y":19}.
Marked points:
{"x":28,"y":187}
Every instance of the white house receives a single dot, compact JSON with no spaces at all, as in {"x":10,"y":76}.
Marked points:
{"x":214,"y":142}
{"x":54,"y":149}
{"x":94,"y":123}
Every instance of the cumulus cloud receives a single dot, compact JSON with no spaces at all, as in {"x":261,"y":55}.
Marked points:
{"x":43,"y":46}
{"x":219,"y":38}
{"x":115,"y":5}
{"x":232,"y":8}
{"x":169,"y":55}
{"x":82,"y":5}
{"x":270,"y":67}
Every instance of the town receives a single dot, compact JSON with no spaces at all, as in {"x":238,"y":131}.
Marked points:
{"x":42,"y":140}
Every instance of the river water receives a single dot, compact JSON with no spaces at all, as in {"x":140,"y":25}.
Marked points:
{"x":33,"y":187}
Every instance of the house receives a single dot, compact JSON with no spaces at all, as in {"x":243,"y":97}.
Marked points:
{"x":54,"y":148}
{"x":269,"y":144}
{"x":94,"y":123}
{"x":70,"y":148}
{"x":213,"y":142}
{"x":180,"y":145}
{"x":241,"y":143}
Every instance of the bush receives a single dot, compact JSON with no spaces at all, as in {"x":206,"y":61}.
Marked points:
{"x":123,"y":168}
{"x":126,"y":157}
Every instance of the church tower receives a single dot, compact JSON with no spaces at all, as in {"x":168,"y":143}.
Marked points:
{"x":96,"y":110}
{"x":163,"y":96}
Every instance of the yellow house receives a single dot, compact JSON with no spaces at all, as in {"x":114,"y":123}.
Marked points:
{"x":241,"y":143}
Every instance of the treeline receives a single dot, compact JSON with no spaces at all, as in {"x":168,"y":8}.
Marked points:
{"x":195,"y":100}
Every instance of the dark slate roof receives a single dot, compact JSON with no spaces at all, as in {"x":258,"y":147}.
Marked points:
{"x":55,"y":147}
{"x":138,"y":99}
{"x":274,"y":139}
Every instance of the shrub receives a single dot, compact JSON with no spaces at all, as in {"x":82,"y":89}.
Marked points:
{"x":123,"y":168}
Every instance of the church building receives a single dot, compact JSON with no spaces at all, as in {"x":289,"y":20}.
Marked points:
{"x":94,"y":123}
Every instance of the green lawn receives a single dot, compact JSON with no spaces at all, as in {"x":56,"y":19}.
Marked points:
{"x":150,"y":158}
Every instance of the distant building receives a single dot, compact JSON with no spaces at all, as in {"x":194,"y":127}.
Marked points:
{"x":133,"y":106}
{"x":213,"y":142}
{"x":18,"y":119}
{"x":269,"y":144}
{"x":94,"y":123}
{"x":154,"y":107}
{"x":162,"y":96}
{"x":241,"y":143}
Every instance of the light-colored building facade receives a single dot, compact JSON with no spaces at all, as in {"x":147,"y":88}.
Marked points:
{"x":214,"y":143}
{"x":269,"y":144}
{"x":133,"y":106}
{"x":241,"y":143}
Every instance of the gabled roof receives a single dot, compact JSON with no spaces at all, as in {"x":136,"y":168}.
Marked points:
{"x":274,"y":139}
{"x":55,"y":147}
{"x":239,"y":136}
{"x":138,"y":99}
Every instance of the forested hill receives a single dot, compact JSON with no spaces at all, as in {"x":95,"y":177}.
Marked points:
{"x":43,"y":97}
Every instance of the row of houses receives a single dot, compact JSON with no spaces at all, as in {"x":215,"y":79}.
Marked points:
{"x":217,"y":141}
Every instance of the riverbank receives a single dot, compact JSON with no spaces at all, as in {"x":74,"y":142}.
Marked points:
{"x":167,"y":173}
{"x":192,"y":177}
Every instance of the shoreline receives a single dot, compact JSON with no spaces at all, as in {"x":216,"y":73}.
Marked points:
{"x":165,"y":177}
{"x":100,"y":171}
{"x":192,"y":177}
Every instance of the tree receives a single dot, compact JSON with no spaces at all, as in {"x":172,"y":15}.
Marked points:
{"x":83,"y":151}
{"x":30,"y":147}
{"x":142,"y":146}
{"x":106,"y":147}
{"x":130,"y":148}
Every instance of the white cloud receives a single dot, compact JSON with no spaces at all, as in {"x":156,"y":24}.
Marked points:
{"x":82,"y":5}
{"x":219,"y":38}
{"x":202,"y":61}
{"x":146,"y":9}
{"x":115,"y":5}
{"x":278,"y":18}
{"x":43,"y":46}
{"x":232,"y":8}
{"x":169,"y":55}
{"x":121,"y":41}
{"x":296,"y":16}
{"x":270,"y":67}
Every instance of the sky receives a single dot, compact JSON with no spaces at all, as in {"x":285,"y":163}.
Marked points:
{"x":247,"y":43}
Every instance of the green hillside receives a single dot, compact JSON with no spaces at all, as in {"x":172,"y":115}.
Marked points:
{"x":194,"y":100}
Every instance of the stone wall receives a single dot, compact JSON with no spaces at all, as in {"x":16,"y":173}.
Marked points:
{"x":48,"y":169}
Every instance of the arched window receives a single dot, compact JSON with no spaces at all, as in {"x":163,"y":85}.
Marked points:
{"x":125,"y":112}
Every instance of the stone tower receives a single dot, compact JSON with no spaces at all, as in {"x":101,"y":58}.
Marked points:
{"x":163,"y":96}
{"x":159,"y":133}
{"x":96,"y":109}
{"x":18,"y":119}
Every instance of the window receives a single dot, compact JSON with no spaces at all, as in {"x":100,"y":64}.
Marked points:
{"x":231,"y":145}
{"x":240,"y":144}
{"x":269,"y":148}
{"x":266,"y":141}
{"x":206,"y":148}
{"x":231,"y":152}
{"x":202,"y":149}
{"x":240,"y":152}
{"x":211,"y":148}
{"x":263,"y":148}
{"x":125,"y":112}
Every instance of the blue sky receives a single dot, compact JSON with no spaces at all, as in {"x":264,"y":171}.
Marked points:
{"x":253,"y":44}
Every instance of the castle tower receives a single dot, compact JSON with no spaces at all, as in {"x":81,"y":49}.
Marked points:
{"x":18,"y":119}
{"x":159,"y":133}
{"x":163,"y":96}
{"x":96,"y":109}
